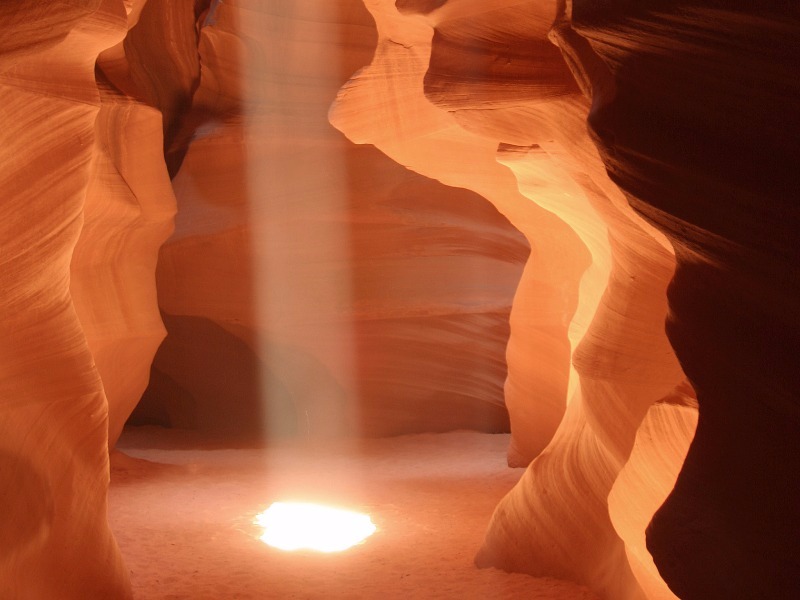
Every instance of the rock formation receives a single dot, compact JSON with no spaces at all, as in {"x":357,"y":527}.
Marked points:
{"x":615,"y":267}
{"x":490,"y":68}
{"x":54,"y":412}
{"x":312,"y":285}
{"x":322,"y":282}
{"x":709,"y":159}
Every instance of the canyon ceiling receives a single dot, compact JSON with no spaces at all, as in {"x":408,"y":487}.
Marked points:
{"x":577,"y":220}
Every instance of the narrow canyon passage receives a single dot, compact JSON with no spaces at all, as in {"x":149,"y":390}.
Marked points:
{"x":182,"y":510}
{"x":518,"y":278}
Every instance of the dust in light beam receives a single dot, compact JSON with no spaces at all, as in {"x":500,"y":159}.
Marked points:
{"x":298,"y":526}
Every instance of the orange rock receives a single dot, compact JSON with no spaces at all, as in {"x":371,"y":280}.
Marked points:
{"x":607,"y":356}
{"x":54,"y":414}
{"x":314,"y":286}
{"x":321,"y":285}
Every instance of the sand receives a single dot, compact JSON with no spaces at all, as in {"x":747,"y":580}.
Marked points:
{"x":182,"y":510}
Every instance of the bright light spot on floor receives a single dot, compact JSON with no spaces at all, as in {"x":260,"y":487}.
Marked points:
{"x":296,"y":526}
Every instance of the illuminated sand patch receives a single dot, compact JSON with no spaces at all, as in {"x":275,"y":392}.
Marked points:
{"x":298,"y":526}
{"x":183,"y":515}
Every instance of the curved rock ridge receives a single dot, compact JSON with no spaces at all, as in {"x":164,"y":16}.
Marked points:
{"x":710,"y":159}
{"x":55,"y":542}
{"x":373,"y":108}
{"x":319,"y":285}
{"x":312,"y":286}
{"x":616,"y":362}
{"x":163,"y":66}
{"x":128,"y":214}
{"x":643,"y":484}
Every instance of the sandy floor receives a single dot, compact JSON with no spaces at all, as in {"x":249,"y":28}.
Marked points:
{"x":184,"y":519}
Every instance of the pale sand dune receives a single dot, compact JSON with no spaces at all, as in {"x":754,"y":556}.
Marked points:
{"x":184,"y":520}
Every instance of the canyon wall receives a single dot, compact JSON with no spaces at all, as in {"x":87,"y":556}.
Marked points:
{"x":701,"y":133}
{"x":670,"y":96}
{"x":313,"y":286}
{"x":499,"y":95}
{"x":55,"y":542}
{"x":322,"y":282}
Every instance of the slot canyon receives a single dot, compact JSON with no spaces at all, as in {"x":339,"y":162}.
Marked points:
{"x":520,"y":279}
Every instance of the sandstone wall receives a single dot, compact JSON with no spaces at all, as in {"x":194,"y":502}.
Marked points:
{"x":512,"y":84}
{"x":615,"y":166}
{"x":690,"y":109}
{"x":313,"y":286}
{"x":55,"y":542}
{"x":701,"y":133}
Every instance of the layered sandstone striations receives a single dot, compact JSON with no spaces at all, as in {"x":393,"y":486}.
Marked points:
{"x":88,"y":202}
{"x":313,"y":286}
{"x":701,"y":133}
{"x":691,"y":111}
{"x":127,"y":215}
{"x":375,"y":108}
{"x":480,"y":76}
{"x":348,"y":289}
{"x":55,"y":542}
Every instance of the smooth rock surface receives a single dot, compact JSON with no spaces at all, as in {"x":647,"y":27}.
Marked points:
{"x":625,"y":171}
{"x":617,"y":361}
{"x":710,"y":159}
{"x":55,"y":541}
{"x":326,"y":289}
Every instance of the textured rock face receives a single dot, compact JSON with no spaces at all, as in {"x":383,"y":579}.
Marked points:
{"x":687,"y":108}
{"x":53,"y":415}
{"x":347,"y":288}
{"x":403,"y":124}
{"x":312,"y":285}
{"x":127,"y":214}
{"x":489,"y":83}
{"x":710,"y":160}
